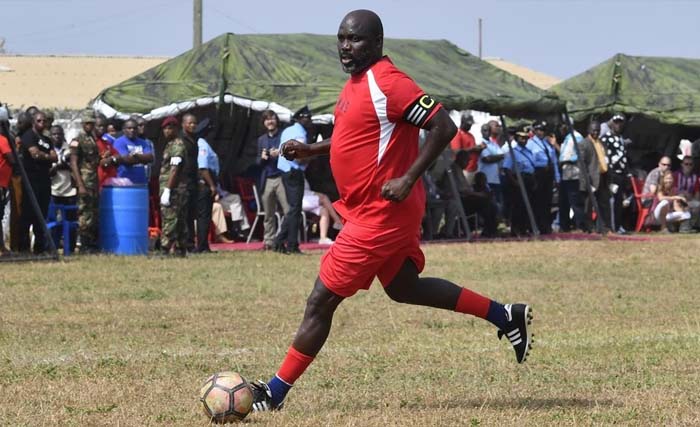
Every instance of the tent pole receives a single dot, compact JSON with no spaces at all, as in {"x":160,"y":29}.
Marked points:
{"x":584,"y":171}
{"x":460,"y":207}
{"x":521,"y":184}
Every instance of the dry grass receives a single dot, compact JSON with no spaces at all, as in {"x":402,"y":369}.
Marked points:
{"x":127,"y":341}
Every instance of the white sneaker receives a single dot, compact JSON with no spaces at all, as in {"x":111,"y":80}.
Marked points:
{"x":325,"y":241}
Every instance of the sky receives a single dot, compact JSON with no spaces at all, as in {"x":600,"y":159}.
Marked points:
{"x":561,"y":38}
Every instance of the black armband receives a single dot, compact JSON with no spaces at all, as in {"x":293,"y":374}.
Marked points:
{"x":419,"y":110}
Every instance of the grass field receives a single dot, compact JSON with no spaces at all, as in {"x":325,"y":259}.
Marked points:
{"x":127,"y":341}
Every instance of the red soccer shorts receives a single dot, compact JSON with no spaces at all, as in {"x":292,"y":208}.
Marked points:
{"x":361,"y":253}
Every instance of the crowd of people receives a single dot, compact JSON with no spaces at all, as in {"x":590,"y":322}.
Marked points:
{"x":66,"y":178}
{"x":568,"y":184}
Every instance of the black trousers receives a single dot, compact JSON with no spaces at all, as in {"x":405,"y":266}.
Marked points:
{"x":543,"y":199}
{"x":620,"y":180}
{"x":294,"y":187}
{"x":42,"y":191}
{"x":569,"y":199}
{"x":519,"y":220}
{"x":204,"y":202}
{"x":191,"y":209}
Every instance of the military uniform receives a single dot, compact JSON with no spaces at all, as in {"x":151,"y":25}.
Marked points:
{"x":84,"y":146}
{"x":174,"y":217}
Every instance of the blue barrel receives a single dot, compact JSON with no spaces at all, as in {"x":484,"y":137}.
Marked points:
{"x":124,"y":220}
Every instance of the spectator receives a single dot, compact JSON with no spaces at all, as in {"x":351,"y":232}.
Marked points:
{"x":24,"y":123}
{"x":37,"y":157}
{"x":293,"y":178}
{"x":525,"y":160}
{"x":141,"y":133}
{"x":190,"y":173}
{"x":570,"y":181}
{"x":669,"y":209}
{"x":595,"y":164}
{"x":490,"y":160}
{"x":653,"y":178}
{"x":473,"y":201}
{"x":134,"y":154}
{"x":7,"y":162}
{"x":109,"y":156}
{"x":464,"y":140}
{"x":688,"y":185}
{"x":173,"y":191}
{"x":617,"y":167}
{"x":546,"y":175}
{"x":85,"y":160}
{"x":271,"y":185}
{"x":234,"y":205}
{"x":208,"y":165}
{"x":63,"y":192}
{"x":320,"y":205}
{"x":112,"y":132}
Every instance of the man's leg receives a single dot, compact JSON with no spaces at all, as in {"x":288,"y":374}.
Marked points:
{"x":310,"y":337}
{"x":511,"y":320}
{"x":204,"y":206}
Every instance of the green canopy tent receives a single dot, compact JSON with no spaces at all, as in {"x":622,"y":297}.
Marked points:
{"x":660,"y":95}
{"x":235,"y":77}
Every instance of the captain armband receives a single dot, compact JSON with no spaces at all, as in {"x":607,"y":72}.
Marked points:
{"x":175,"y":161}
{"x":418,"y":111}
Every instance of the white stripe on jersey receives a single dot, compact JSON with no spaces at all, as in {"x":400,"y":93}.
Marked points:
{"x":386,"y":128}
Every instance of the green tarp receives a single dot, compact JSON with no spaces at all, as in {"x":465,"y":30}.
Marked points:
{"x":663,"y":89}
{"x":297,"y":69}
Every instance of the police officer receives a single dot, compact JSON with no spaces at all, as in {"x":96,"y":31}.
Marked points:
{"x":525,"y":159}
{"x":84,"y":160}
{"x":173,"y":190}
{"x":208,"y":165}
{"x":546,"y":175}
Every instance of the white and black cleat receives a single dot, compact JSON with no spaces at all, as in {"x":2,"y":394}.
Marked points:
{"x":262,"y":397}
{"x":518,"y":329}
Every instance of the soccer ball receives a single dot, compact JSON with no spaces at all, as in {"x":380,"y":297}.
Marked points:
{"x":226,"y":397}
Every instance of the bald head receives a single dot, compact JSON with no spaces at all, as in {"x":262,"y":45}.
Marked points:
{"x":360,"y":40}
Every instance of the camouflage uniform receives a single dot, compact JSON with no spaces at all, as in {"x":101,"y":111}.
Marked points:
{"x":85,"y":147}
{"x":174,"y":217}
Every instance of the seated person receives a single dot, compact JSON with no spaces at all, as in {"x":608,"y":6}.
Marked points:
{"x":232,"y":203}
{"x":320,"y":205}
{"x":218,"y":219}
{"x":668,"y":209}
{"x":688,"y":185}
{"x":653,"y":179}
{"x":476,"y":199}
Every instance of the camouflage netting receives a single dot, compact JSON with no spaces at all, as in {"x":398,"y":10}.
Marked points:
{"x":297,"y":69}
{"x":666,"y":90}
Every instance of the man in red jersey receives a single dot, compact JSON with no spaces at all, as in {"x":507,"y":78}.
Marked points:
{"x":377,"y":166}
{"x":464,"y":141}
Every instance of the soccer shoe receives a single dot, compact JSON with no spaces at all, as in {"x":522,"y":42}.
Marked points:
{"x":262,"y":397}
{"x":518,"y":331}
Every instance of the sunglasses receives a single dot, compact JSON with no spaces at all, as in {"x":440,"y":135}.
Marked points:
{"x":687,"y":164}
{"x":40,"y":120}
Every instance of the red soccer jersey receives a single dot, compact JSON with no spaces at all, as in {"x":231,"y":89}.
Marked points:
{"x":375,"y":139}
{"x":464,"y":141}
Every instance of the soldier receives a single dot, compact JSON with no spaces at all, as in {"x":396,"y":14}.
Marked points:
{"x":84,"y":160}
{"x":173,"y":190}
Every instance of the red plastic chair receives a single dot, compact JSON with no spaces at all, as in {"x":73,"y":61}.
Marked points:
{"x":642,"y":212}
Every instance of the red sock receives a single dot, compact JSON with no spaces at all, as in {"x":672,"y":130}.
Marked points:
{"x":472,"y":303}
{"x":294,"y":364}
